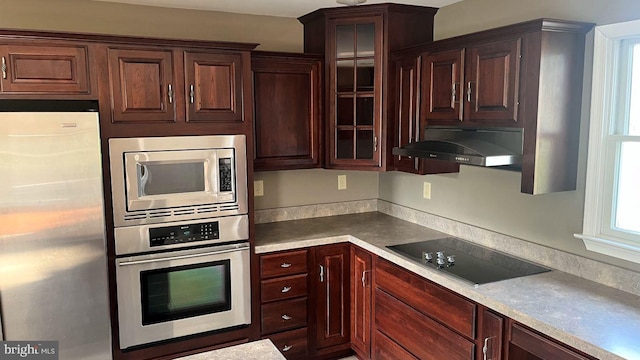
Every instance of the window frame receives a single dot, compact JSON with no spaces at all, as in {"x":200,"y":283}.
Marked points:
{"x":598,"y":233}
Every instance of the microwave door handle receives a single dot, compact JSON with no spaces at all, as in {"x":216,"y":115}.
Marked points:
{"x":179,"y":257}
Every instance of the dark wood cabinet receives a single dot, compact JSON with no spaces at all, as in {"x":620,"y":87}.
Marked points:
{"x":284,"y":301}
{"x":356,"y":43}
{"x":526,"y":344}
{"x":492,"y":83}
{"x":332,"y":295}
{"x":527,"y":75}
{"x":408,"y":126}
{"x":490,"y":336}
{"x":214,"y":86}
{"x":287,"y":110}
{"x":442,"y":88}
{"x":474,"y":86}
{"x":361,"y":292}
{"x":143,"y":85}
{"x":44,"y":69}
{"x":173,"y":85}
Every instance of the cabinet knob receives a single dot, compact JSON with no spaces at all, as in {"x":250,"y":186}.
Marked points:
{"x":285,"y":265}
{"x":287,"y":348}
{"x":286,"y":317}
{"x":286,"y":289}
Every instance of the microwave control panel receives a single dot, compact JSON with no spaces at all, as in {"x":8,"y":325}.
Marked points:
{"x":185,"y":233}
{"x":224,"y":167}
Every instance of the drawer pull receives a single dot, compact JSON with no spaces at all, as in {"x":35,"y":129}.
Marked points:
{"x":4,"y":68}
{"x":485,"y":348}
{"x":286,"y":289}
{"x":285,"y":265}
{"x":286,"y":317}
{"x":287,"y":348}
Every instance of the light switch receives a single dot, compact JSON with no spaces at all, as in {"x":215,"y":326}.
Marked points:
{"x":426,"y":190}
{"x":258,"y":188}
{"x":342,"y":182}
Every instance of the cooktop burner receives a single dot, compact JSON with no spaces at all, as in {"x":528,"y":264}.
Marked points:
{"x":468,"y":261}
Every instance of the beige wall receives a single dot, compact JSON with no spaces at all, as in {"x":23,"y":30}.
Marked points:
{"x":490,"y":198}
{"x":317,"y":186}
{"x":273,"y":33}
{"x":473,"y":15}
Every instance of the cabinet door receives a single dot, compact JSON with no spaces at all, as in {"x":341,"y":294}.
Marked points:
{"x":31,"y":69}
{"x":491,"y":327}
{"x":287,"y":110}
{"x":442,"y":87}
{"x":361,"y":284}
{"x":355,"y":93}
{"x":214,"y":87}
{"x":492,"y":83}
{"x":332,"y":294}
{"x":407,"y":122}
{"x":142,"y":85}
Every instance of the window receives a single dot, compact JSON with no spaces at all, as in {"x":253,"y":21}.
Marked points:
{"x":612,"y":201}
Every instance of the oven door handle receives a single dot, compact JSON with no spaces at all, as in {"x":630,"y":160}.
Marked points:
{"x":179,"y":257}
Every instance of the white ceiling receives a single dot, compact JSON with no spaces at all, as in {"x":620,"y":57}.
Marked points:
{"x":286,"y":8}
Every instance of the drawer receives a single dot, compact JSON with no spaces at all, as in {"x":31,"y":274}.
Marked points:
{"x":422,"y":336}
{"x":283,"y":288}
{"x":284,"y":315}
{"x":441,"y":304}
{"x":292,"y":344}
{"x":533,"y":345}
{"x":281,"y":264}
{"x":387,"y":349}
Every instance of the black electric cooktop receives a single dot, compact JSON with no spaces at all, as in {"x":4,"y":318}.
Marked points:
{"x":468,"y":261}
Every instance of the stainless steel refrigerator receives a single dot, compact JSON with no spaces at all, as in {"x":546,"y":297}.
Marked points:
{"x":53,"y":265}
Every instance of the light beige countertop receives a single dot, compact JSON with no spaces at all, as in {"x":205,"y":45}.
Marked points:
{"x":599,"y":320}
{"x":255,"y":350}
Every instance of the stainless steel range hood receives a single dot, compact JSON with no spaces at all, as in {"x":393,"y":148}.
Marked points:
{"x":473,"y":146}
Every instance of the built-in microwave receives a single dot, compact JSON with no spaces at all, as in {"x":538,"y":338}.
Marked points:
{"x":160,"y":179}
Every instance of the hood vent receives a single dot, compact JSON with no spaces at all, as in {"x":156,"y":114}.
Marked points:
{"x":473,"y":146}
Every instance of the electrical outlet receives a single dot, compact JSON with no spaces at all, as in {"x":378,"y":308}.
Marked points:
{"x":258,"y":188}
{"x":342,"y":182}
{"x":426,"y":190}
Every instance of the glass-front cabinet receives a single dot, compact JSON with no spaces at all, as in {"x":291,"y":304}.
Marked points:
{"x":355,"y":73}
{"x":356,"y":42}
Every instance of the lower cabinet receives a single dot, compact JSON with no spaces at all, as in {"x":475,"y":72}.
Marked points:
{"x":284,"y":301}
{"x":361,"y":293}
{"x":332,"y":296}
{"x":524,"y":343}
{"x":304,"y":301}
{"x":322,"y":302}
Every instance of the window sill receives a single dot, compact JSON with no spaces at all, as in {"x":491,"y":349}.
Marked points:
{"x":611,"y":247}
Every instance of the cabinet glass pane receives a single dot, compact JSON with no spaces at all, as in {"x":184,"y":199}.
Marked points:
{"x":344,"y":75}
{"x":364,"y":142}
{"x":344,"y":144}
{"x":366,"y":39}
{"x":344,"y":114}
{"x":345,"y":36}
{"x":365,"y":75}
{"x":364,"y":111}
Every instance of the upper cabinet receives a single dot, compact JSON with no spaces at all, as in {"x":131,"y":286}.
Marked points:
{"x":287,"y":93}
{"x":50,"y":70}
{"x":143,"y":85}
{"x":527,"y":76}
{"x":174,"y":85}
{"x":473,"y":86}
{"x":356,"y":43}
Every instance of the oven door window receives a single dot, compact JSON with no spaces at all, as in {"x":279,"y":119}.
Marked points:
{"x":185,"y":291}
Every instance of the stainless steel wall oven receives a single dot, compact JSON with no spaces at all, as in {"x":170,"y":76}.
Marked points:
{"x":181,"y":236}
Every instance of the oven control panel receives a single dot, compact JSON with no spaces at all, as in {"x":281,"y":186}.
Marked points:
{"x":185,"y":233}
